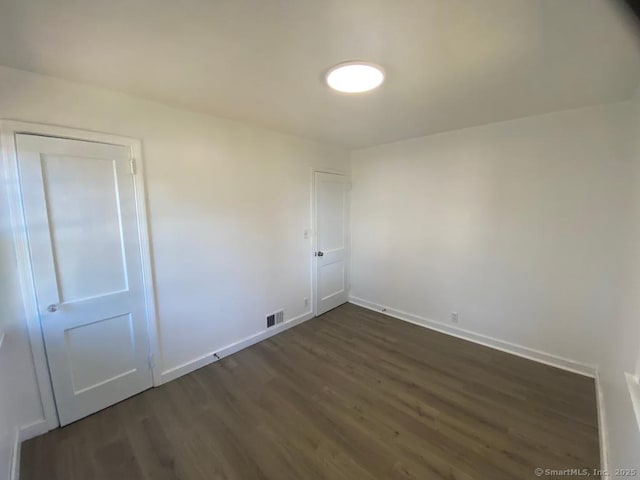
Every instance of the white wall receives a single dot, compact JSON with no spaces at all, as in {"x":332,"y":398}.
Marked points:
{"x":620,"y":343}
{"x":519,"y":226}
{"x":228,"y":208}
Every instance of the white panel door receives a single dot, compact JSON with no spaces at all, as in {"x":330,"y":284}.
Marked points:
{"x":331,"y":241}
{"x":80,"y":210}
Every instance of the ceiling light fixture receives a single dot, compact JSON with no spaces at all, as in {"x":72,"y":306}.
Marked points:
{"x":355,"y":77}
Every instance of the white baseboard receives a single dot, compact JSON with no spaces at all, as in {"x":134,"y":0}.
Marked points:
{"x":14,"y":472}
{"x":23,"y":433}
{"x":508,"y":347}
{"x":216,"y":355}
{"x":602,"y":427}
{"x":31,"y":430}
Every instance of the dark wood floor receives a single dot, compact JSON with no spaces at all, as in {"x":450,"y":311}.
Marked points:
{"x":350,"y":395}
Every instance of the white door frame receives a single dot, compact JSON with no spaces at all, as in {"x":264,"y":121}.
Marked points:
{"x":314,"y":227}
{"x":8,"y":131}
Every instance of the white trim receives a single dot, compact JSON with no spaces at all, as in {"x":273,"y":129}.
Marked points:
{"x":14,"y":468}
{"x":216,"y":355}
{"x":602,"y":427}
{"x":26,"y":432}
{"x":32,"y":430}
{"x":312,"y":256}
{"x":334,"y":171}
{"x":146,"y":257}
{"x":508,"y":347}
{"x":10,"y":160}
{"x":634,"y":390}
{"x":8,"y":130}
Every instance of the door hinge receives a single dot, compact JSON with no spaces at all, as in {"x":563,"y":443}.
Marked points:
{"x":151,"y":362}
{"x":132,"y":163}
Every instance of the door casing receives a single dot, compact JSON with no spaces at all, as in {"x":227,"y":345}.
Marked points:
{"x":8,"y":131}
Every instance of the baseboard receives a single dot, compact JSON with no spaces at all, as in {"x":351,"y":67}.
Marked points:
{"x":602,"y":427}
{"x":508,"y":347}
{"x":31,"y":430}
{"x":14,"y":472}
{"x":26,"y":432}
{"x":216,"y":355}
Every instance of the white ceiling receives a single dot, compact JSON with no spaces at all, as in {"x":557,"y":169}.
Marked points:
{"x":450,"y":63}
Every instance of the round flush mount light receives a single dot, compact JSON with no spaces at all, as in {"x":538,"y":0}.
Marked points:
{"x":355,"y":77}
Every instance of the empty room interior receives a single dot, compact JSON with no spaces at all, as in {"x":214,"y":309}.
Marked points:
{"x":319,"y":239}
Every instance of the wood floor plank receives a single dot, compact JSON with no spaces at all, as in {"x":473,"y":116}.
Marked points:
{"x":352,"y":394}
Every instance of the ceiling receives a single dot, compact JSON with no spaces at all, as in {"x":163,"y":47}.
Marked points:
{"x":450,"y":63}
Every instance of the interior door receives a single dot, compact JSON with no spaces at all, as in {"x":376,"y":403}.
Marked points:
{"x":80,"y":211}
{"x":331,"y":241}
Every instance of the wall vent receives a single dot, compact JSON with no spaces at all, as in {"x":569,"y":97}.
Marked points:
{"x":275,"y":318}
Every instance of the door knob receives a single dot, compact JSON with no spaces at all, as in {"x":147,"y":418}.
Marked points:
{"x":52,"y":308}
{"x":320,"y":254}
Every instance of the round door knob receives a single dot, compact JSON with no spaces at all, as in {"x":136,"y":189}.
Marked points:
{"x":52,"y":308}
{"x":321,"y":254}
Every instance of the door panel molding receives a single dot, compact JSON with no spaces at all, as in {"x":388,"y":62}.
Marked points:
{"x":8,"y":131}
